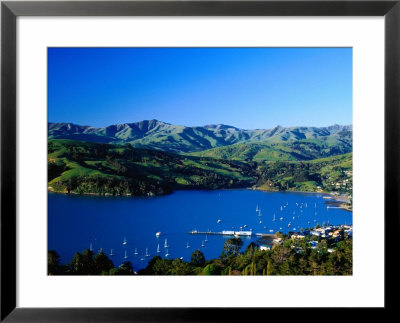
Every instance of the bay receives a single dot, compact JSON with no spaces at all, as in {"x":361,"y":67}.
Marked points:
{"x":78,"y":222}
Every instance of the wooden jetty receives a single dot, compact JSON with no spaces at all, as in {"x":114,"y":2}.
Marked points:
{"x":234,"y":233}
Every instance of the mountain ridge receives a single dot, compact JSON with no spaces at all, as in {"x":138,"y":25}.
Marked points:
{"x":208,"y":126}
{"x":159,"y":135}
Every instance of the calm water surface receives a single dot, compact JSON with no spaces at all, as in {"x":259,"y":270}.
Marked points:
{"x":76,"y":222}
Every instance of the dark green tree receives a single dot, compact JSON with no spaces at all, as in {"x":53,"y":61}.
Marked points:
{"x":251,"y":248}
{"x":210,"y":269}
{"x":125,"y":268}
{"x":82,"y":263}
{"x":102,"y":263}
{"x":232,"y":247}
{"x":180,"y":267}
{"x":197,"y":258}
{"x":53,"y":263}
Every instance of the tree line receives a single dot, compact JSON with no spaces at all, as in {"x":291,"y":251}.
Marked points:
{"x":291,"y":257}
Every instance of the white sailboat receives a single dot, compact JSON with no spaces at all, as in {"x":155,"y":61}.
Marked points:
{"x":136,"y":253}
{"x":167,"y":254}
{"x":158,"y":248}
{"x":125,"y":242}
{"x":147,"y":253}
{"x":126,"y":255}
{"x":274,"y":219}
{"x":206,"y":240}
{"x":187,"y":245}
{"x":202,"y":243}
{"x":91,"y":247}
{"x":166,"y":244}
{"x":112,"y":253}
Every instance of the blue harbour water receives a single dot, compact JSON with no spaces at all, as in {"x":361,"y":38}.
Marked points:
{"x":76,"y":222}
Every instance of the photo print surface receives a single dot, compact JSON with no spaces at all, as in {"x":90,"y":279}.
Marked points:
{"x":200,"y":161}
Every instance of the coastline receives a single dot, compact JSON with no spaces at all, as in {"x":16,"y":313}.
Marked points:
{"x":339,"y":201}
{"x":103,"y":194}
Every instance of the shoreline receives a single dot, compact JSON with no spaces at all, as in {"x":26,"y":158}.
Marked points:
{"x":340,"y":201}
{"x":336,"y":200}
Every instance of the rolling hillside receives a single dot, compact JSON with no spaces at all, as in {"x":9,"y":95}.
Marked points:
{"x":301,"y":150}
{"x":295,"y":143}
{"x":332,"y":174}
{"x":93,"y":168}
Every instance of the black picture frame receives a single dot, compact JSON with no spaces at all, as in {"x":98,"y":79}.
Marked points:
{"x":10,"y":10}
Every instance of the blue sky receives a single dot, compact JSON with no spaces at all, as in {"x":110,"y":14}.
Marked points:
{"x":250,"y":88}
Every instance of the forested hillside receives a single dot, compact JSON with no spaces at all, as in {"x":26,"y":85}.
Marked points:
{"x":93,"y":168}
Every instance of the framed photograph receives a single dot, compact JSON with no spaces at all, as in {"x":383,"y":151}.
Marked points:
{"x":160,"y":156}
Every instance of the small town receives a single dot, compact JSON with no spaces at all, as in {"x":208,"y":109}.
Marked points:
{"x":324,"y":236}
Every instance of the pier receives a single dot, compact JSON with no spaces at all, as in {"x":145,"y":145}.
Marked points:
{"x":234,"y":233}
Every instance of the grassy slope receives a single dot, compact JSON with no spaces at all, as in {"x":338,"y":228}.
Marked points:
{"x":83,"y":167}
{"x":306,"y":149}
{"x":316,"y":175}
{"x":117,"y":168}
{"x":302,"y":143}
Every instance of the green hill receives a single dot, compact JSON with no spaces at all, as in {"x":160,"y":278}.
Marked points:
{"x":332,"y":174}
{"x":301,"y":150}
{"x":275,"y":144}
{"x":93,"y":168}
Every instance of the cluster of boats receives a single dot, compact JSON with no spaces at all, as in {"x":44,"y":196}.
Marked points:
{"x":260,"y":221}
{"x":295,"y":216}
{"x":300,"y":206}
{"x":299,"y":209}
{"x":146,"y":253}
